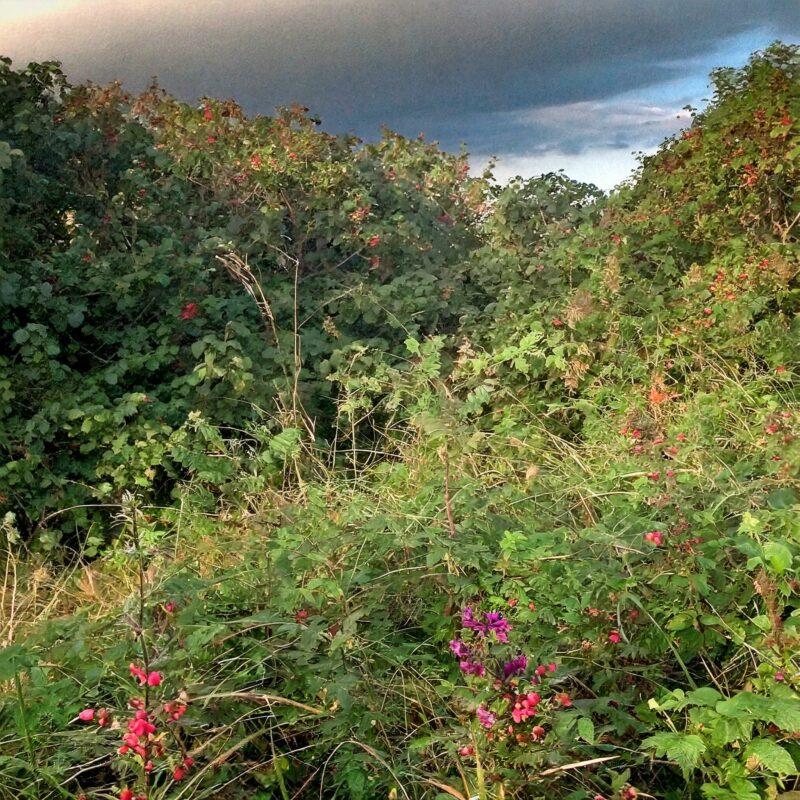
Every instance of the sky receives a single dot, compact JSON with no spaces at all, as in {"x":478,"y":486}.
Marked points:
{"x":578,"y":85}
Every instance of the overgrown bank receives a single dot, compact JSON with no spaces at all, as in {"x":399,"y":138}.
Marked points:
{"x":548,"y":513}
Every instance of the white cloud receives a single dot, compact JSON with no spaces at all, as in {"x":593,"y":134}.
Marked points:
{"x":592,"y":141}
{"x":604,"y":167}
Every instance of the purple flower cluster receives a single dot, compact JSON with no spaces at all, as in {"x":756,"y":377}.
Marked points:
{"x":516,"y":666}
{"x":493,"y":622}
{"x":467,"y":663}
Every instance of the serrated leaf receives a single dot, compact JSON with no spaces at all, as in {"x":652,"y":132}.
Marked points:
{"x":771,"y":756}
{"x":704,"y":696}
{"x":746,"y":705}
{"x":685,"y":749}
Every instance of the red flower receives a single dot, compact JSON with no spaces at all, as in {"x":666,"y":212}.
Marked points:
{"x":374,"y":241}
{"x":211,"y":139}
{"x":208,"y":113}
{"x":255,"y":161}
{"x":138,"y":673}
{"x":189,"y":311}
{"x":169,"y":607}
{"x":178,"y":773}
{"x":154,"y":679}
{"x":126,"y":794}
{"x":87,"y":715}
{"x":614,"y":637}
{"x":188,"y":762}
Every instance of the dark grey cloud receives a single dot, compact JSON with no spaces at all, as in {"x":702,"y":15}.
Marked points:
{"x":457,"y":69}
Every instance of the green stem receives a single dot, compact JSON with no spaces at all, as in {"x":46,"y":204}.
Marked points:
{"x":25,"y":730}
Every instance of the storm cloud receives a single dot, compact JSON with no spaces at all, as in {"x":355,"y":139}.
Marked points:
{"x":521,"y":78}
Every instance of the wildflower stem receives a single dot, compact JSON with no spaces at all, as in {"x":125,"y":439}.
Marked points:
{"x":141,"y":635}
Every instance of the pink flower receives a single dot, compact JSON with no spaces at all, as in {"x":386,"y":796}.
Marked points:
{"x":87,"y":715}
{"x":459,"y":648}
{"x":654,"y":537}
{"x":525,"y":706}
{"x":169,"y":607}
{"x":138,"y":673}
{"x":189,"y":311}
{"x":472,"y":668}
{"x":614,"y":637}
{"x":552,"y":666}
{"x":175,"y":710}
{"x":563,"y":699}
{"x":485,"y":717}
{"x":154,"y":679}
{"x":131,"y":739}
{"x":779,"y":676}
{"x":141,"y":727}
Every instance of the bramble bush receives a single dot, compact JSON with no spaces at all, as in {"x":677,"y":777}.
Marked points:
{"x":512,"y":513}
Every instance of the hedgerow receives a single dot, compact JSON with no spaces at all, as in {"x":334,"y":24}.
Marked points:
{"x":433,"y":488}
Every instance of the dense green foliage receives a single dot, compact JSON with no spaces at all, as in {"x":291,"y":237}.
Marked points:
{"x":134,"y":229}
{"x":332,"y":395}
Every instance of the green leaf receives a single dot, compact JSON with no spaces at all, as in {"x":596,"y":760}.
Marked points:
{"x":704,"y":696}
{"x":14,"y":659}
{"x":586,"y":729}
{"x":778,"y":555}
{"x":770,"y":755}
{"x":784,"y":713}
{"x":412,"y":345}
{"x":685,"y":749}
